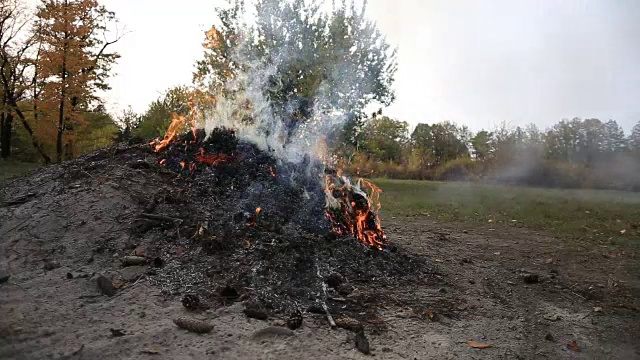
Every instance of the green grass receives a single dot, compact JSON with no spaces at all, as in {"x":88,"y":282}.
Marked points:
{"x":610,"y":217}
{"x":13,"y":168}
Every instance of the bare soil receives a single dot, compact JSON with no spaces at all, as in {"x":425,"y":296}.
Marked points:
{"x":524,"y":294}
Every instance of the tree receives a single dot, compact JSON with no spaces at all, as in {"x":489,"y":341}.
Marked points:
{"x":384,"y":138}
{"x":74,"y":63}
{"x":422,"y":144}
{"x":127,"y":121}
{"x":634,"y":138}
{"x":482,"y":144}
{"x":155,"y":121}
{"x":447,"y":142}
{"x":16,"y":69}
{"x":300,"y":57}
{"x":614,"y":139}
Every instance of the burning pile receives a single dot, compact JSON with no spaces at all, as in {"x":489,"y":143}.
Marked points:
{"x":350,"y":208}
{"x":256,"y":222}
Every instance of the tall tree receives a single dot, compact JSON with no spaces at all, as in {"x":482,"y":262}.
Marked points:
{"x":482,"y":144}
{"x":448,"y":142}
{"x":614,"y":139}
{"x":74,"y":63}
{"x":634,"y":138}
{"x":17,"y":60}
{"x":384,"y":138}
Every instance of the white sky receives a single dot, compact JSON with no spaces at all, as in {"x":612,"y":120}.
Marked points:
{"x":475,"y":62}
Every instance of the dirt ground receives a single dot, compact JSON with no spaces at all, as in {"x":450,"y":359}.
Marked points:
{"x":525,"y":294}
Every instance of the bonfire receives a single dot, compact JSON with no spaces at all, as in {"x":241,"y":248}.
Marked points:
{"x":351,"y":208}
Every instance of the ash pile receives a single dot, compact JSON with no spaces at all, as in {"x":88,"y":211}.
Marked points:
{"x":219,"y":221}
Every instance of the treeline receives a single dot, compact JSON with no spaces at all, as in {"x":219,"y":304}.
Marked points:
{"x":54,"y":63}
{"x":573,"y":153}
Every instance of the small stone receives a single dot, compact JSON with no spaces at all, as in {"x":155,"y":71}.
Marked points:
{"x":4,"y":277}
{"x":549,"y":337}
{"x":471,"y":281}
{"x":117,"y":332}
{"x":552,"y":317}
{"x":442,"y":291}
{"x":106,"y":286}
{"x":362,"y":343}
{"x":255,"y":311}
{"x":531,"y":278}
{"x":133,"y":273}
{"x":69,"y":275}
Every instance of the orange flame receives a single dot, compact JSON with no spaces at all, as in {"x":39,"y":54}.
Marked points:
{"x":255,"y":217}
{"x":351,"y":210}
{"x":176,"y":124}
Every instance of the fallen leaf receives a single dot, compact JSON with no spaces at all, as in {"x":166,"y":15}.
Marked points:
{"x":496,"y":253}
{"x":438,"y":260}
{"x":573,"y":345}
{"x":139,"y":252}
{"x":623,"y":231}
{"x":597,"y":309}
{"x":180,"y":250}
{"x":246,"y":244}
{"x":490,"y":221}
{"x":477,"y":345}
{"x":548,"y":261}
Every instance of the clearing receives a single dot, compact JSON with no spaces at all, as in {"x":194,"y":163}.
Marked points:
{"x":530,"y":273}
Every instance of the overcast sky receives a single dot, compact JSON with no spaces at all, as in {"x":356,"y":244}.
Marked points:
{"x":474,"y":62}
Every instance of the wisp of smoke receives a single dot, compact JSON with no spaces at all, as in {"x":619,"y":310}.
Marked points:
{"x":250,"y":111}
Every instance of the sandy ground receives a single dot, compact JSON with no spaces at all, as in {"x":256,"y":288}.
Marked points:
{"x":525,"y":294}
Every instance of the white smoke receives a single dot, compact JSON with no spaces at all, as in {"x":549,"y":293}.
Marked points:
{"x":345,"y":84}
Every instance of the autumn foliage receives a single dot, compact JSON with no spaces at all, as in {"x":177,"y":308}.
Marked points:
{"x":64,"y":62}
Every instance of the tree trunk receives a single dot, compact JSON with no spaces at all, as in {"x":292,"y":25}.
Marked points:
{"x":34,"y":140}
{"x":63,"y":84}
{"x":7,"y":128}
{"x":3,"y":141}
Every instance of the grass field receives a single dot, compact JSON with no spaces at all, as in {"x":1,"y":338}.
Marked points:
{"x":608,"y":217}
